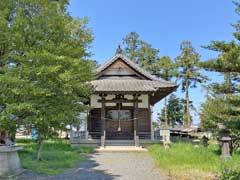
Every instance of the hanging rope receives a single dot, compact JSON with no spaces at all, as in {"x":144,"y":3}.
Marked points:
{"x":121,"y":119}
{"x":109,"y":119}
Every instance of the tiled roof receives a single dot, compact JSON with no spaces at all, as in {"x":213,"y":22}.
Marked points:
{"x":129,"y":85}
{"x":158,"y":88}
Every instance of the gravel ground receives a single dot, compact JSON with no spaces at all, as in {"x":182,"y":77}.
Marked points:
{"x":107,"y":166}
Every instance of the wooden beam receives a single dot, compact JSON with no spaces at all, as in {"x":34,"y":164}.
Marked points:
{"x":119,"y":101}
{"x":123,"y":92}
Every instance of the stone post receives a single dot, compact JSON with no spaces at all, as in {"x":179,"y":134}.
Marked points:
{"x":225,"y":141}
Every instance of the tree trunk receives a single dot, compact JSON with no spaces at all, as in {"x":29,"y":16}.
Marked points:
{"x":40,"y":147}
{"x":165,"y":113}
{"x":187,"y":111}
{"x":13,"y":136}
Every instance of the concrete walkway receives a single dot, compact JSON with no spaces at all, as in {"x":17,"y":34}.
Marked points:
{"x":108,"y":166}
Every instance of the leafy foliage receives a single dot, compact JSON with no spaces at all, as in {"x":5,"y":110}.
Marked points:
{"x":147,"y":57}
{"x":140,"y":52}
{"x":188,"y":74}
{"x":43,"y":70}
{"x":166,"y":69}
{"x":222,"y":105}
{"x":220,"y":110}
{"x":229,"y":58}
{"x":228,"y":173}
{"x":175,"y":111}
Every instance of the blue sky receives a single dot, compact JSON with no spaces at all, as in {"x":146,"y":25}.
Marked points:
{"x":162,"y":23}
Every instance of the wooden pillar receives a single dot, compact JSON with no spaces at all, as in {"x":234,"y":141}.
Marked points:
{"x":135,"y":116}
{"x":103,"y":114}
{"x":135,"y":104}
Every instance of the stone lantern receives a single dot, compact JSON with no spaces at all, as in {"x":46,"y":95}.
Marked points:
{"x":225,"y":142}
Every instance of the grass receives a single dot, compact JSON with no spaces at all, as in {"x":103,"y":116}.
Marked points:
{"x":57,"y":156}
{"x":184,"y":161}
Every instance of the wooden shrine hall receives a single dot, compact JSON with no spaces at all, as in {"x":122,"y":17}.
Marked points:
{"x":121,"y":105}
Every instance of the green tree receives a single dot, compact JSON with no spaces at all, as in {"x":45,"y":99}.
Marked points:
{"x":147,"y":57}
{"x":166,"y":69}
{"x":155,"y":125}
{"x":225,"y":94}
{"x":131,"y":42}
{"x":221,"y":114}
{"x":175,"y":111}
{"x":140,"y":52}
{"x":43,"y":66}
{"x":189,"y":75}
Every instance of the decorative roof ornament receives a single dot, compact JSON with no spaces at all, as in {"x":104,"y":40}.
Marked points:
{"x":119,"y":50}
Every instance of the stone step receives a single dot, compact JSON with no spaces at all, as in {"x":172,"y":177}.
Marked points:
{"x":121,"y":149}
{"x":119,"y":143}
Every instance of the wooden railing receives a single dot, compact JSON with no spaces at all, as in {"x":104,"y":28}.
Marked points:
{"x":77,"y":136}
{"x":148,"y":135}
{"x":144,"y":135}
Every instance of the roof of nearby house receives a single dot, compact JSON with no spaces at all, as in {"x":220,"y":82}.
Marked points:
{"x":158,"y":88}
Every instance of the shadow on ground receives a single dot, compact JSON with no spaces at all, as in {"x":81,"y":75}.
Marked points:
{"x":82,"y":170}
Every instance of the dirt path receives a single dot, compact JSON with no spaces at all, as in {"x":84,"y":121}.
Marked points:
{"x":107,"y":166}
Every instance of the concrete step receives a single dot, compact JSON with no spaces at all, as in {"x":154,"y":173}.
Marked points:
{"x":121,"y":149}
{"x":119,"y":143}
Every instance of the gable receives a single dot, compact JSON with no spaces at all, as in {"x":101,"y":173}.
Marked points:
{"x":140,"y":72}
{"x":119,"y":64}
{"x":120,"y":69}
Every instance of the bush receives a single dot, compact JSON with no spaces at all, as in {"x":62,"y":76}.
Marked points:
{"x":230,"y":174}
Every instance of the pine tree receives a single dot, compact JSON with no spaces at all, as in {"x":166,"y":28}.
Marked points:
{"x":166,"y":69}
{"x":226,"y":94}
{"x":147,"y":57}
{"x":44,"y":69}
{"x":140,"y":52}
{"x":175,"y":111}
{"x":189,"y":75}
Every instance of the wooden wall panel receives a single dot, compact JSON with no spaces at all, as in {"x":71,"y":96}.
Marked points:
{"x":144,"y":122}
{"x":119,"y":68}
{"x":94,"y":123}
{"x":119,"y":64}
